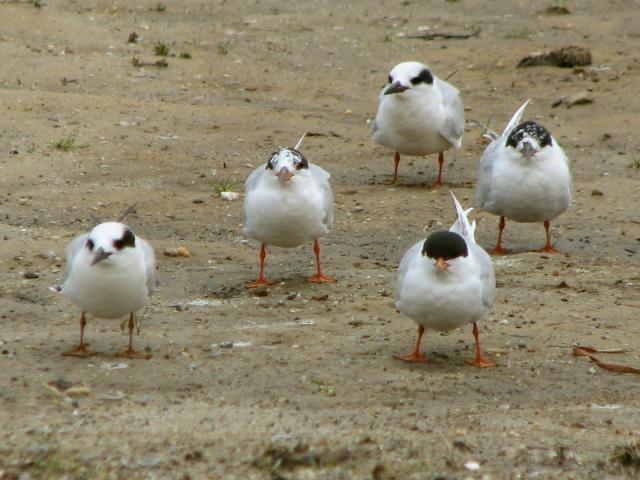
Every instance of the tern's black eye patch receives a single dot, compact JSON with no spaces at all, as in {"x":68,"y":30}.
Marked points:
{"x":531,"y":129}
{"x":446,"y":245}
{"x":298,"y":160}
{"x":390,"y":79}
{"x":271,"y":162}
{"x":90,"y":245}
{"x":424,"y":77}
{"x":128,"y":240}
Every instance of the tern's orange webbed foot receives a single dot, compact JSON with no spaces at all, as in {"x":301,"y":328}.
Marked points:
{"x":481,"y":363}
{"x":79,"y":351}
{"x":260,"y":282}
{"x":413,"y":357}
{"x":320,"y":278}
{"x":549,"y":249}
{"x":498,"y":251}
{"x":131,"y":353}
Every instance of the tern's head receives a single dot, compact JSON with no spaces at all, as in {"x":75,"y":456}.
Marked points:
{"x":107,"y":239}
{"x":408,"y":75}
{"x":529,"y":138}
{"x":444,"y":246}
{"x":285,"y":163}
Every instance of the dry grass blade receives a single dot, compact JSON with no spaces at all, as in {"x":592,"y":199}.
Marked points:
{"x":589,"y":351}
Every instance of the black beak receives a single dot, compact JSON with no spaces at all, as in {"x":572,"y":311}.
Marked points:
{"x":395,"y":87}
{"x":99,"y":256}
{"x":528,"y":150}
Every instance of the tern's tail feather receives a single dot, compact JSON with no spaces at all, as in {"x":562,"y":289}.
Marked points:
{"x":297,"y":147}
{"x":515,"y":120}
{"x":462,"y":226}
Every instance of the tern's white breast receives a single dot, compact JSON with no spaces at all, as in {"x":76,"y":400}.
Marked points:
{"x":410,"y":123}
{"x":112,"y":288}
{"x":527,"y":190}
{"x":285,"y":215}
{"x":441,"y":300}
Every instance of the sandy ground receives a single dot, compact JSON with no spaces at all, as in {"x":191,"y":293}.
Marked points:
{"x":315,"y":391}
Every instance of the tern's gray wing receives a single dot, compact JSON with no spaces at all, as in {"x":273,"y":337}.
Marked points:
{"x":149,"y":263}
{"x":485,"y":170}
{"x":253,"y":179}
{"x":73,"y":248}
{"x":453,"y":127}
{"x":407,"y":258}
{"x":487,"y":275}
{"x":322,"y":178}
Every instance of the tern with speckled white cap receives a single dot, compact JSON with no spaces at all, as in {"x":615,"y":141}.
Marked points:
{"x":418,"y":114}
{"x":110,"y":274}
{"x":288,"y":202}
{"x":524,"y":176}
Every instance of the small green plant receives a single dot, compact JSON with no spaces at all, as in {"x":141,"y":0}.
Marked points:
{"x":628,"y":455}
{"x":223,"y":48}
{"x":65,"y":144}
{"x":635,"y":163}
{"x":558,"y":7}
{"x":185,"y":55}
{"x":523,"y":35}
{"x":225,"y":185}
{"x":161,"y":7}
{"x":161,"y":49}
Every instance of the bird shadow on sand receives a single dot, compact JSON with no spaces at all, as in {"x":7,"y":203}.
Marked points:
{"x":405,"y":182}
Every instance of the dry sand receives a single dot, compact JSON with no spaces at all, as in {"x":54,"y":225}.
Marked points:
{"x":315,"y":391}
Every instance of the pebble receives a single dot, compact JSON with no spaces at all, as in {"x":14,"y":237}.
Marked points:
{"x":229,"y":196}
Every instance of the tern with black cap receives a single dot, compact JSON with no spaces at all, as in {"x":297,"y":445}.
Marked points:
{"x":446,"y":281}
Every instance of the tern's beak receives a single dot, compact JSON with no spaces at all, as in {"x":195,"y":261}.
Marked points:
{"x":284,"y":175}
{"x":442,"y":264}
{"x":99,"y":256}
{"x":528,"y":150}
{"x":395,"y":87}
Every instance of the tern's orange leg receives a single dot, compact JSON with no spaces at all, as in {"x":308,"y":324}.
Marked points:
{"x":415,"y":356}
{"x":479,"y":361}
{"x":548,"y":247}
{"x":438,"y":182}
{"x":319,"y":277}
{"x":130,"y":352}
{"x":81,"y":350}
{"x":396,"y":162}
{"x":498,"y":250}
{"x":261,"y":280}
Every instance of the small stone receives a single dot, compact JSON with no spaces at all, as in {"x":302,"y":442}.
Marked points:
{"x":198,"y":200}
{"x":596,"y":193}
{"x":580,"y":98}
{"x":30,"y":275}
{"x":229,"y":196}
{"x":471,"y":465}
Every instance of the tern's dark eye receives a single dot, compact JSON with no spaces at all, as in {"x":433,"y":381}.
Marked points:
{"x":90,"y":245}
{"x":128,"y":240}
{"x":424,"y":77}
{"x":531,"y":129}
{"x":271,"y":163}
{"x":390,"y":79}
{"x":300,"y":162}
